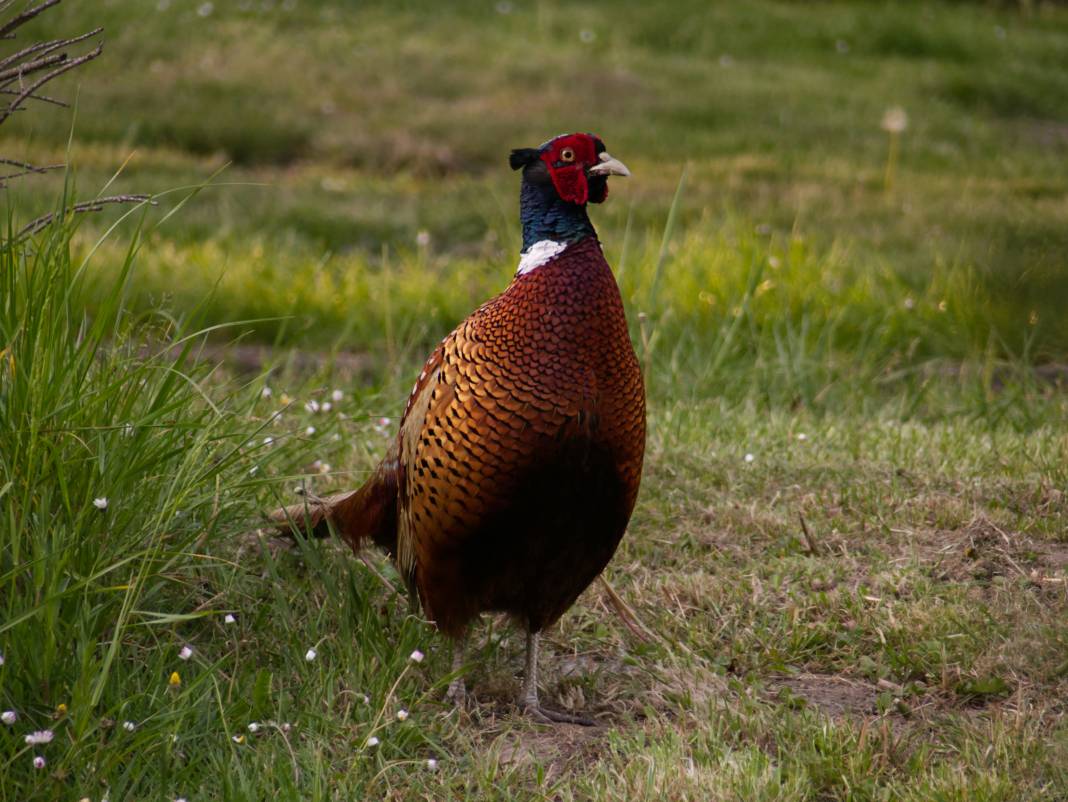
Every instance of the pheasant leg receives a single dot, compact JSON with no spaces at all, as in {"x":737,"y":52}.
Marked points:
{"x":528,"y":696}
{"x":457,"y":692}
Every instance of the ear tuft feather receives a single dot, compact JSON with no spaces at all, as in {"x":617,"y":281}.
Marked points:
{"x":521,"y":157}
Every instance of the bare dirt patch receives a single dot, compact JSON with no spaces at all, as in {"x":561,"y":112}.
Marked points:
{"x":983,"y":550}
{"x":837,"y":697}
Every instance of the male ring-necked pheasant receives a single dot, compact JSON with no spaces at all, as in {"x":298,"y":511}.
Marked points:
{"x":519,"y":454}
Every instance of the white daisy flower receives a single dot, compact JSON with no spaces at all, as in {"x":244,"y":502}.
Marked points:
{"x":9,"y":717}
{"x":40,"y":737}
{"x":337,"y":395}
{"x":309,"y":431}
{"x":185,"y":653}
{"x":402,"y":715}
{"x":310,"y":655}
{"x":101,"y":503}
{"x":432,"y":764}
{"x":327,"y":406}
{"x":230,"y":619}
{"x":416,"y":656}
{"x":802,"y":436}
{"x":373,"y":741}
{"x":749,"y":457}
{"x":254,"y":726}
{"x":266,"y":392}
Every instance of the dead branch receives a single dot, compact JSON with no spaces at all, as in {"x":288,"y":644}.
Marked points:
{"x":25,"y":71}
{"x":27,"y":15}
{"x":94,"y":205}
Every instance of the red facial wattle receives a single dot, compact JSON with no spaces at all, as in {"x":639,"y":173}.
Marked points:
{"x":569,"y":175}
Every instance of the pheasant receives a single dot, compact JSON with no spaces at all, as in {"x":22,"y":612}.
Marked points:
{"x":519,"y":455}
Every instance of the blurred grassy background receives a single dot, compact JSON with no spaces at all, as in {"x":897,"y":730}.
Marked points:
{"x":351,"y":129}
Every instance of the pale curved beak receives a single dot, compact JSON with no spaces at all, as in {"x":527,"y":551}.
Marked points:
{"x":609,"y":166}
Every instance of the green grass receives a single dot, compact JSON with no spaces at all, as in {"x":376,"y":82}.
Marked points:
{"x":850,"y":540}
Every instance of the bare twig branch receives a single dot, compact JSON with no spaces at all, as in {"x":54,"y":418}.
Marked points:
{"x":42,"y":98}
{"x":42,"y":48}
{"x":94,"y":205}
{"x":70,"y":65}
{"x":26,"y":16}
{"x":27,"y":169}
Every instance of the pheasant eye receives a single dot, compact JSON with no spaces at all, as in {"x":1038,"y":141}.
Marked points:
{"x":567,"y":155}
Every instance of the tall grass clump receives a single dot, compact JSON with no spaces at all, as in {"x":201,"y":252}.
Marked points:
{"x":115,"y":465}
{"x":151,"y":645}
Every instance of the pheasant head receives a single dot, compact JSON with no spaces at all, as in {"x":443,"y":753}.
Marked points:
{"x":559,"y":178}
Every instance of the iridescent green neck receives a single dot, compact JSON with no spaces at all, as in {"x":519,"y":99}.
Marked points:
{"x":546,"y":217}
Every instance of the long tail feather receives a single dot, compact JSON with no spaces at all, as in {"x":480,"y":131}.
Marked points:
{"x":370,"y":512}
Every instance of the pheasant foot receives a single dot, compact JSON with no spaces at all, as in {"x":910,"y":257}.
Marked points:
{"x":528,"y":696}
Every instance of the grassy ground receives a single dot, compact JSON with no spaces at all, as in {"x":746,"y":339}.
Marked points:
{"x":850,"y":542}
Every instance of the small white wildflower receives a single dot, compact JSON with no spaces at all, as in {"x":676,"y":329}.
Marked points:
{"x":254,"y":726}
{"x":185,"y":653}
{"x":268,"y":440}
{"x":205,"y":9}
{"x":312,"y":406}
{"x":286,"y":726}
{"x":336,"y":396}
{"x":310,"y":655}
{"x":266,"y":392}
{"x":432,"y":764}
{"x":40,"y":737}
{"x":327,"y":406}
{"x":229,"y":619}
{"x":38,"y":762}
{"x":749,"y":458}
{"x":9,"y":717}
{"x":129,"y":726}
{"x":253,"y":469}
{"x":366,"y":699}
{"x":384,"y":421}
{"x":802,"y":436}
{"x":373,"y":741}
{"x":416,"y":656}
{"x":101,"y":503}
{"x":909,"y":303}
{"x":895,"y":120}
{"x":309,"y":431}
{"x":402,"y":715}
